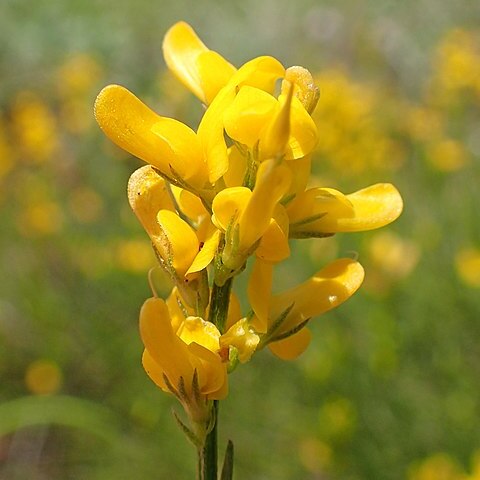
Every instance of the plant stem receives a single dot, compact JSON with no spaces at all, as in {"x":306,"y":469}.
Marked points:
{"x":219,"y":302}
{"x":208,"y":454}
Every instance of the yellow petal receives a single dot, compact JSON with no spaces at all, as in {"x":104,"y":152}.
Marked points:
{"x":303,"y":132}
{"x":195,"y":329}
{"x":189,"y":204}
{"x":186,"y":159}
{"x":181,"y":241}
{"x":373,"y":207}
{"x":159,"y":141}
{"x":206,"y":254}
{"x":201,"y":70}
{"x":261,"y":72}
{"x":243,"y":338}
{"x":248,"y":114}
{"x":327,"y":289}
{"x":271,"y":185}
{"x":237,"y":166}
{"x":177,"y":313}
{"x":318,"y":201}
{"x":154,"y":371}
{"x":228,"y":204}
{"x":291,"y":347}
{"x":300,"y":169}
{"x":211,"y":135}
{"x":147,"y":194}
{"x":274,"y":245}
{"x":212,"y":373}
{"x":277,"y":132}
{"x":259,"y":292}
{"x":163,"y":346}
{"x":214,"y":72}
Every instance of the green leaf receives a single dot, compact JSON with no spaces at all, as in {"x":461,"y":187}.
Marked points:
{"x":227,"y":470}
{"x":59,"y":410}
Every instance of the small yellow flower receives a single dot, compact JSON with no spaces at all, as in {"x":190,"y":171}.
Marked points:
{"x":184,"y":248}
{"x":467,"y":263}
{"x":184,"y":362}
{"x":282,"y":317}
{"x":324,"y":211}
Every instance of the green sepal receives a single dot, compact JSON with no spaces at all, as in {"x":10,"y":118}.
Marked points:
{"x":232,"y":359}
{"x":188,"y":433}
{"x":306,"y":220}
{"x":299,"y":235}
{"x":267,"y":337}
{"x":290,"y":332}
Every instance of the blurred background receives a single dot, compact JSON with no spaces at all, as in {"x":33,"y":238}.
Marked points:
{"x":390,"y":386}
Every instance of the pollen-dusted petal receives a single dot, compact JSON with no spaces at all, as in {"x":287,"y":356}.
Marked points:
{"x":127,"y":122}
{"x":154,"y":371}
{"x":228,"y":204}
{"x":206,"y":253}
{"x":259,"y":292}
{"x":291,"y":347}
{"x":147,"y":194}
{"x":303,"y":132}
{"x":182,"y":240}
{"x":243,"y":338}
{"x":159,"y":141}
{"x":193,"y":63}
{"x":248,"y":114}
{"x":372,"y":207}
{"x":327,"y":289}
{"x":305,"y":89}
{"x":271,"y":185}
{"x":195,"y":329}
{"x":211,"y":135}
{"x":261,"y":72}
{"x":163,"y":345}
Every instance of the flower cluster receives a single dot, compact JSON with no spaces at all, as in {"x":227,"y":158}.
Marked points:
{"x":210,"y":199}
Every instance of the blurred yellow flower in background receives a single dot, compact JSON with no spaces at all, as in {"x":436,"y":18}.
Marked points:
{"x":43,"y":377}
{"x":467,"y":263}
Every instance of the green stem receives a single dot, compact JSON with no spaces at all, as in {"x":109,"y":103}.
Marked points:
{"x":219,"y":303}
{"x":207,"y":455}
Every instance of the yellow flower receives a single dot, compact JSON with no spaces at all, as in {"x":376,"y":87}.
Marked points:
{"x":467,"y":263}
{"x":282,"y":317}
{"x":185,"y":246}
{"x":323,"y":211}
{"x":200,"y":69}
{"x":184,"y":361}
{"x":167,"y":144}
{"x":239,"y":334}
{"x":245,"y":215}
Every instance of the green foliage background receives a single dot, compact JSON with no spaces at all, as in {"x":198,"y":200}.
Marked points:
{"x":391,"y":379}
